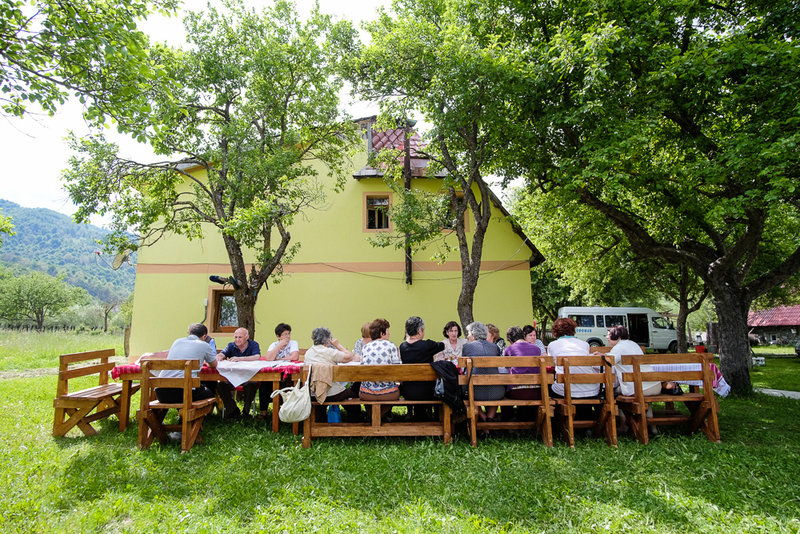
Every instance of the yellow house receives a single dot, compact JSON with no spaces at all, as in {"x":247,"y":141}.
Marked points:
{"x":337,"y":279}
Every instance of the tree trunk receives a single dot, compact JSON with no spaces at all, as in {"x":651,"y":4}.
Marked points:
{"x":246,"y":310}
{"x":732,"y":307}
{"x":469,"y":281}
{"x":683,"y":314}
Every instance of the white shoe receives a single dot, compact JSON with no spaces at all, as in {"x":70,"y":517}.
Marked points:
{"x":175,"y":436}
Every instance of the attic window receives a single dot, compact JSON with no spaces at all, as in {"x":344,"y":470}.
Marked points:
{"x":376,"y":211}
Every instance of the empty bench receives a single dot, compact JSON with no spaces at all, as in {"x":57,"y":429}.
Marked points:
{"x":389,"y":373}
{"x":76,"y":408}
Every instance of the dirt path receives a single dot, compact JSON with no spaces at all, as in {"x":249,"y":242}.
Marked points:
{"x":28,"y":373}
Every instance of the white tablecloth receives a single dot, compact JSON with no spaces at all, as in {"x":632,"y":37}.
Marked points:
{"x":722,"y":388}
{"x":238,"y":373}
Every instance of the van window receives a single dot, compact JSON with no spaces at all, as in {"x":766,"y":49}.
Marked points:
{"x":615,"y":320}
{"x":660,"y":322}
{"x":600,"y":322}
{"x":583,"y":320}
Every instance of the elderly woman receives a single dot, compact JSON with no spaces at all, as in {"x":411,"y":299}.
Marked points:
{"x":566,"y":344}
{"x":415,"y":349}
{"x":380,"y":351}
{"x":478,"y":346}
{"x":453,"y":343}
{"x":328,"y":350}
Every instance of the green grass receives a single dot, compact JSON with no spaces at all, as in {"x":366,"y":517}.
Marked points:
{"x":21,"y":349}
{"x":774,"y":349}
{"x":245,"y":479}
{"x":778,"y":373}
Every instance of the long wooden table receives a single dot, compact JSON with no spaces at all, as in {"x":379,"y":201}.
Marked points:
{"x":128,"y":378}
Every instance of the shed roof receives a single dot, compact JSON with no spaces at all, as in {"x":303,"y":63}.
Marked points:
{"x":780,"y":316}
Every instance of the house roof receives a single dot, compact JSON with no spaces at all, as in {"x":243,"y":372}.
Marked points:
{"x":780,"y":316}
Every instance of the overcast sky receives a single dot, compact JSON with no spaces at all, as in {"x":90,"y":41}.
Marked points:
{"x":35,"y":151}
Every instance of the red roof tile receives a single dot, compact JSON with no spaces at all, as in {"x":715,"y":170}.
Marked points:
{"x":394,"y":139}
{"x":780,"y":316}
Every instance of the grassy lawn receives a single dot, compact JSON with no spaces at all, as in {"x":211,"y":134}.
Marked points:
{"x":31,"y":350}
{"x":774,"y":349}
{"x":778,"y":373}
{"x":245,"y":479}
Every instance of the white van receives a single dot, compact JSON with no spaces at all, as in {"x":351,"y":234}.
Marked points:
{"x":645,"y":326}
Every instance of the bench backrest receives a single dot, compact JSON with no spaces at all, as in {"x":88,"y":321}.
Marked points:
{"x":151,"y":380}
{"x":379,"y":373}
{"x":703,"y":372}
{"x":100,"y":366}
{"x":507,"y":379}
{"x":569,"y":376}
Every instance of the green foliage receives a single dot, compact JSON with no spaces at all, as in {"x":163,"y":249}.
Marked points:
{"x":245,"y":110}
{"x":677,"y":123}
{"x":434,"y":58}
{"x":37,"y":296}
{"x":52,"y":243}
{"x":6,"y":226}
{"x":91,"y":49}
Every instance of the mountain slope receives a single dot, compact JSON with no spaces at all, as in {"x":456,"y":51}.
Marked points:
{"x":52,"y":243}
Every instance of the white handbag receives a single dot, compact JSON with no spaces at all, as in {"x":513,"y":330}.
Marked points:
{"x":295,"y":402}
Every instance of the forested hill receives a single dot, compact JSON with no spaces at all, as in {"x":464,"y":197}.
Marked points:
{"x":53,"y":243}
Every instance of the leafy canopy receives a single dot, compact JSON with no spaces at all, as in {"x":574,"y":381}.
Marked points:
{"x":92,"y":49}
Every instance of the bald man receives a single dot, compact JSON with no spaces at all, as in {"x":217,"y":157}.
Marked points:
{"x":241,"y":349}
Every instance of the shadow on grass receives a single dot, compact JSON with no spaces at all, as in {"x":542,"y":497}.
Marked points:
{"x":248,"y":476}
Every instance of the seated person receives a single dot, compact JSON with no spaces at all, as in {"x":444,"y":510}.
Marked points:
{"x":453,"y":343}
{"x":241,"y":349}
{"x":285,"y":348}
{"x":328,"y":350}
{"x":358,"y":346}
{"x":415,"y":349}
{"x":476,"y":347}
{"x":529,"y":331}
{"x":519,"y":347}
{"x":380,"y":351}
{"x":494,"y":337}
{"x":621,"y":345}
{"x":191,"y":347}
{"x":566,"y":344}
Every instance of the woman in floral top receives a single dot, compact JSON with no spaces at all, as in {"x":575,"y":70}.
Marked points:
{"x":379,"y":351}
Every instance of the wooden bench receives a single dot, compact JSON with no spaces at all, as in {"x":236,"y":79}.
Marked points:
{"x":701,"y":404}
{"x":377,"y":427}
{"x":152,"y":412}
{"x":75,"y":408}
{"x":544,"y":406}
{"x":605,"y":422}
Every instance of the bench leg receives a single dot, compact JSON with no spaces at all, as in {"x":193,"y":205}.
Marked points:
{"x":75,"y":418}
{"x":125,"y":405}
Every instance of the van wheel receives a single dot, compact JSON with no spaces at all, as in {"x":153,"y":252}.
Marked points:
{"x":595,"y":343}
{"x":673,"y":347}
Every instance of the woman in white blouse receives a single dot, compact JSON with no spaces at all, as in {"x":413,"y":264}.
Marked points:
{"x":453,"y":343}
